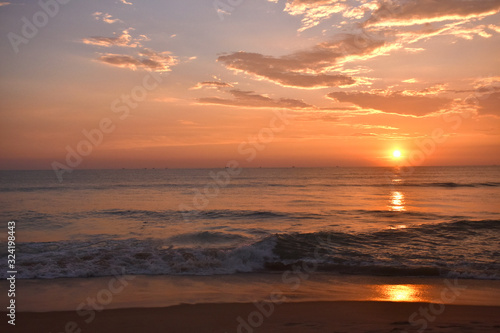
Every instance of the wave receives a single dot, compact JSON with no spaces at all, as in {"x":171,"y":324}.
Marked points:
{"x":138,"y":257}
{"x":214,"y":214}
{"x":206,"y":237}
{"x":463,"y":248}
{"x":94,"y":187}
{"x":453,"y":184}
{"x":99,"y":187}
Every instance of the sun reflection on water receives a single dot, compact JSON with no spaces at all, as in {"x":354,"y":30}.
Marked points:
{"x":400,"y":293}
{"x":397,"y":202}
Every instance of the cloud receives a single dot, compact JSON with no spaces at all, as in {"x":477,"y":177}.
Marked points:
{"x":364,"y":134}
{"x":318,"y":67}
{"x":124,"y":40}
{"x":395,"y":13}
{"x":461,"y":29}
{"x":146,"y":59}
{"x":495,"y":28}
{"x":5,"y":3}
{"x":253,"y":100}
{"x":490,"y":104}
{"x":211,"y":84}
{"x":166,"y":99}
{"x":126,"y":2}
{"x":107,"y":18}
{"x":143,"y":59}
{"x":314,"y":11}
{"x":398,"y":102}
{"x":487,"y":96}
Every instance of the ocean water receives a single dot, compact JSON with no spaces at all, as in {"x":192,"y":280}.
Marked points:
{"x":425,"y":221}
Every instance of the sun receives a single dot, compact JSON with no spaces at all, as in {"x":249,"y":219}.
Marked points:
{"x":396,"y":153}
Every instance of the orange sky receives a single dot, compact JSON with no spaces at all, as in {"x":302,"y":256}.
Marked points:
{"x":112,"y":84}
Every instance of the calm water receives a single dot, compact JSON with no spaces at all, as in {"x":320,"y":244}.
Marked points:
{"x":430,"y":221}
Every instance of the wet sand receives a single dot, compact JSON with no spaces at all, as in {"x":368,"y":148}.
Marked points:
{"x":303,"y":317}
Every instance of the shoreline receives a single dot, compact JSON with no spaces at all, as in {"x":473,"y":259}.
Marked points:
{"x":159,"y":291}
{"x":303,"y":317}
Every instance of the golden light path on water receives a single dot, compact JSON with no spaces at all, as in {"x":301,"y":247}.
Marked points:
{"x":401,"y":293}
{"x":397,"y":202}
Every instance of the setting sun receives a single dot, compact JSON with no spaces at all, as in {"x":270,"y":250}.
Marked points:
{"x":396,"y":153}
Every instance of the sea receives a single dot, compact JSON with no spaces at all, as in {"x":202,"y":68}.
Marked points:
{"x":395,"y":221}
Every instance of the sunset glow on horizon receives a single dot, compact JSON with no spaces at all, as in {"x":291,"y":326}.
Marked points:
{"x":266,"y":83}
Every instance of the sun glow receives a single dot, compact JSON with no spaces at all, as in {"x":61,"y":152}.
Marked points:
{"x":401,"y":293}
{"x":396,"y":153}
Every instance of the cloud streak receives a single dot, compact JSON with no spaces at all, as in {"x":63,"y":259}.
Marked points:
{"x":123,"y":40}
{"x":105,"y":17}
{"x":146,"y":59}
{"x":211,"y":84}
{"x":393,"y":13}
{"x":398,"y":102}
{"x":314,"y":11}
{"x":254,"y":100}
{"x":487,"y":96}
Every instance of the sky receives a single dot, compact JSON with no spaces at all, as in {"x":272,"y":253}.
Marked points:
{"x":271,"y":83}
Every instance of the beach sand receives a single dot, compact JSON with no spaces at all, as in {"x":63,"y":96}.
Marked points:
{"x":322,"y":303}
{"x":303,"y":317}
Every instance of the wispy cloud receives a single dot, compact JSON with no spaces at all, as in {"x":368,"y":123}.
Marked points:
{"x":397,"y":13}
{"x":146,"y":59}
{"x":487,"y":96}
{"x":399,"y":102}
{"x":211,"y":84}
{"x":126,"y":2}
{"x":5,"y":3}
{"x":254,"y":100}
{"x":105,"y":17}
{"x":314,"y":11}
{"x":495,"y":28}
{"x":123,"y":40}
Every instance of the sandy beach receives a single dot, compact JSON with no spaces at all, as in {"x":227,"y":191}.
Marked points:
{"x":287,"y":317}
{"x":248,"y":303}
